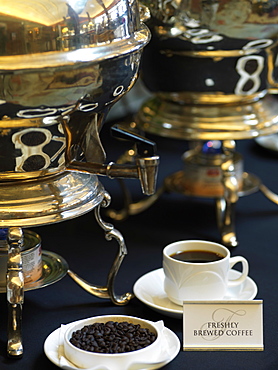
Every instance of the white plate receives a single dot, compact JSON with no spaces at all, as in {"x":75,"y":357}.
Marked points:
{"x":53,"y":349}
{"x":149,"y":290}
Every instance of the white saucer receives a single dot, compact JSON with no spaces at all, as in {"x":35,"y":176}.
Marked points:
{"x":54,"y":350}
{"x":149,"y":290}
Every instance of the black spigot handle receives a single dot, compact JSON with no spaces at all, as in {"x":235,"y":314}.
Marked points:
{"x":145,"y":147}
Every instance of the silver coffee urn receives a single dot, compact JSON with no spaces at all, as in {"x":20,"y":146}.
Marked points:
{"x":210,"y":66}
{"x":63,"y":64}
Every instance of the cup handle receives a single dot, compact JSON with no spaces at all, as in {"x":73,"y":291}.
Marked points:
{"x":245,"y":270}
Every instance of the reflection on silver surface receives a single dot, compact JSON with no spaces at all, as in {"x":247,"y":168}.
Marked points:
{"x":232,"y":18}
{"x":63,"y":64}
{"x":212,"y":69}
{"x":107,"y":291}
{"x":66,"y":31}
{"x":208,"y":61}
{"x":15,"y":291}
{"x":54,"y":269}
{"x":48,"y":200}
{"x":209,"y":122}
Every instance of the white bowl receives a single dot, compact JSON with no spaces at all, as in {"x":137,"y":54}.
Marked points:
{"x":116,"y":361}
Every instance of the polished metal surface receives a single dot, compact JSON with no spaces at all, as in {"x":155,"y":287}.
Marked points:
{"x":145,"y":169}
{"x":30,"y":253}
{"x":209,"y":122}
{"x":273,"y":197}
{"x":46,"y":33}
{"x":216,"y":175}
{"x":49,"y":199}
{"x":175,"y":183}
{"x":15,"y":292}
{"x":54,"y":268}
{"x":107,"y":291}
{"x":63,"y":64}
{"x":54,"y":54}
{"x":210,"y":66}
{"x":241,"y":19}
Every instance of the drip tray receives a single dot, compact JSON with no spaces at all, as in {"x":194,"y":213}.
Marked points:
{"x":49,"y":199}
{"x":54,"y":268}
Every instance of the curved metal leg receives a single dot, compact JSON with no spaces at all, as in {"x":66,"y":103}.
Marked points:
{"x":15,"y":292}
{"x":269,"y":194}
{"x":108,"y":290}
{"x":225,"y":212}
{"x":226,"y":204}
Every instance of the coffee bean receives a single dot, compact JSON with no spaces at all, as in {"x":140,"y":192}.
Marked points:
{"x":126,"y":337}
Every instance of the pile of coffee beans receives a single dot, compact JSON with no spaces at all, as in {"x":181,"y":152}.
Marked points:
{"x":112,"y":337}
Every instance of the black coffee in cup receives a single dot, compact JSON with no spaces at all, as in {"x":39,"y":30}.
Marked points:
{"x":197,"y":256}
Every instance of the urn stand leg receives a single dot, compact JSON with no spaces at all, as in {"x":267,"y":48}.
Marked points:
{"x":131,"y":208}
{"x":108,"y":290}
{"x":225,"y":205}
{"x":270,"y":195}
{"x":15,"y":292}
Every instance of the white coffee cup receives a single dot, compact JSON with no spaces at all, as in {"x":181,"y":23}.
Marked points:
{"x":199,"y":280}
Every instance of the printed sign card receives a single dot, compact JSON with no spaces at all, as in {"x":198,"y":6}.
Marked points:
{"x":223,"y":325}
